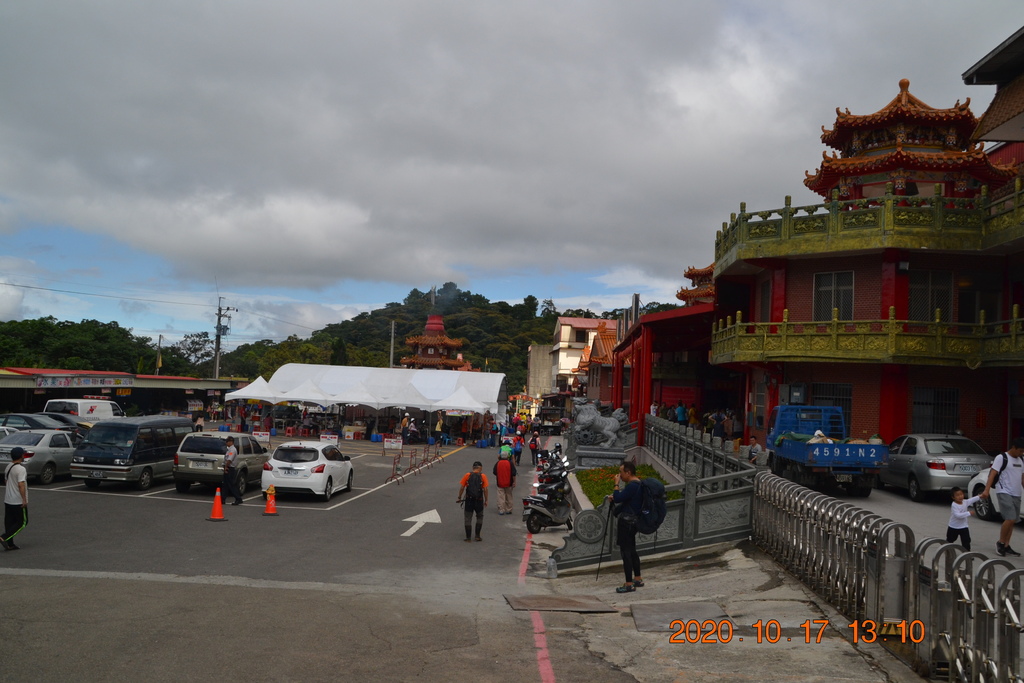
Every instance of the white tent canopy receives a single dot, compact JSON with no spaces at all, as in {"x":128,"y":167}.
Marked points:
{"x":257,"y":390}
{"x":386,"y":387}
{"x":307,"y":392}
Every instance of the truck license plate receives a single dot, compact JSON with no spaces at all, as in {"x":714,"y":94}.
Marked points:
{"x":845,"y":478}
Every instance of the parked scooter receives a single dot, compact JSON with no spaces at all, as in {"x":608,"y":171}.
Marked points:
{"x":549,"y":505}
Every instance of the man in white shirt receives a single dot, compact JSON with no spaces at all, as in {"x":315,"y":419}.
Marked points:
{"x":1007,"y":478}
{"x":230,"y":482}
{"x":15,"y":499}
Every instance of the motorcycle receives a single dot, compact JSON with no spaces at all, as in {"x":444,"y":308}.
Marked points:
{"x":549,"y":506}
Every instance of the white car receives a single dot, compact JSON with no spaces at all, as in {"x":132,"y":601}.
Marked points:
{"x":984,"y":507}
{"x":307,"y":467}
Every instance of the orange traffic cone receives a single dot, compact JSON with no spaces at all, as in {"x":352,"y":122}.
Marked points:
{"x":217,"y":515}
{"x":271,"y":509}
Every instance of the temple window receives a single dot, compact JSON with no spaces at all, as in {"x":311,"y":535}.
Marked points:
{"x":978,"y":291}
{"x":833,"y":290}
{"x":931,"y":290}
{"x":936,"y":410}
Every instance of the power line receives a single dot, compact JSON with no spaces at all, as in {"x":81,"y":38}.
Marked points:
{"x":154,"y":301}
{"x":107,"y":296}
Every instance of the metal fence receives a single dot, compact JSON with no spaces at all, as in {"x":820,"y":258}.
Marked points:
{"x":950,"y":613}
{"x":715,"y":504}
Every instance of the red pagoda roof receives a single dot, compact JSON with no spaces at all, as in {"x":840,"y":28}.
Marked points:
{"x":703,"y":286}
{"x":903,"y":108}
{"x":431,"y":340}
{"x":975,"y":163}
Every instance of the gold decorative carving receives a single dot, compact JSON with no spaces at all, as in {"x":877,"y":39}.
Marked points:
{"x":910,"y":218}
{"x":866,"y":219}
{"x":802,"y":226}
{"x":760,"y":230}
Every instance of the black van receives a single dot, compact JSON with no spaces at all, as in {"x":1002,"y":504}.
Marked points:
{"x":135,"y":449}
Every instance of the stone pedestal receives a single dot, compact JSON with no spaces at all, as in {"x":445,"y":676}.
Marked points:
{"x":589,"y":456}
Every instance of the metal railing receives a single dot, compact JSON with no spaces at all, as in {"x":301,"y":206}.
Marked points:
{"x":954,"y":614}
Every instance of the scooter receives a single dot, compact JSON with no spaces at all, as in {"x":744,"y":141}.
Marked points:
{"x":549,"y":506}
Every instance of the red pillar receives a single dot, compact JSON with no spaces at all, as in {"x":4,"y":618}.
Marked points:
{"x":893,"y":400}
{"x":778,"y":293}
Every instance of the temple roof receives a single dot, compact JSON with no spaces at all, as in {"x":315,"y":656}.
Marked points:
{"x":433,"y":340}
{"x":975,"y":163}
{"x":428,"y":362}
{"x":703,"y":285}
{"x":903,"y":108}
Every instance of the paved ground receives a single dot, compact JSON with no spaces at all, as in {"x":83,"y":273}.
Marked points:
{"x":116,"y":584}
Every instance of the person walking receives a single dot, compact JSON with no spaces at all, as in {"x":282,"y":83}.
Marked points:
{"x":505,"y":479}
{"x":474,"y":486}
{"x":517,"y":446}
{"x":15,"y":499}
{"x":959,"y":515}
{"x":535,"y":448}
{"x":628,"y":497}
{"x":1007,"y":478}
{"x":230,"y":482}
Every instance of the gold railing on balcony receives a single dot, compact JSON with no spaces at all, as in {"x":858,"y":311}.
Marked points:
{"x":998,"y":344}
{"x":960,"y":224}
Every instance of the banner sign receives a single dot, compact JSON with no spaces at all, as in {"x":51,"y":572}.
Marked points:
{"x":262,"y":437}
{"x":50,"y":382}
{"x":329,"y":438}
{"x":393,"y":444}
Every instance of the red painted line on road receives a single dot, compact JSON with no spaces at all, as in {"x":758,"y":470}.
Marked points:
{"x":526,"y":559}
{"x":540,"y":641}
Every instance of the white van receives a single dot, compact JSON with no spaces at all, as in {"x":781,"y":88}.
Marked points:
{"x":94,"y":409}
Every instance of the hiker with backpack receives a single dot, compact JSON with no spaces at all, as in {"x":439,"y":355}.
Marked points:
{"x":628,"y":500}
{"x":474,"y":486}
{"x":505,"y":479}
{"x":535,"y":447}
{"x":517,"y":445}
{"x":1006,"y":479}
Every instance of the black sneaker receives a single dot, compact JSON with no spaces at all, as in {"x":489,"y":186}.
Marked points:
{"x":1007,"y":550}
{"x":1000,"y":549}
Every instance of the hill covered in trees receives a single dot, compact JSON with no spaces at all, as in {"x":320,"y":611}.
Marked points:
{"x":495,"y":336}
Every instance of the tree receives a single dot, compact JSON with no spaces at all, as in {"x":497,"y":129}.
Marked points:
{"x":196,"y":348}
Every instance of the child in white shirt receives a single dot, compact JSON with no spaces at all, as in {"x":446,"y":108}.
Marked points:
{"x":959,"y":515}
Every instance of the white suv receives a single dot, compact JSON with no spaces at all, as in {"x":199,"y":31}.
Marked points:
{"x":200,"y":458}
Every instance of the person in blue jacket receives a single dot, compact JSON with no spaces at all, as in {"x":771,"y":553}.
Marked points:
{"x":628,"y":499}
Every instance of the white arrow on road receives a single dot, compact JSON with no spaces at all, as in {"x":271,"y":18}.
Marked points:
{"x":432,"y":517}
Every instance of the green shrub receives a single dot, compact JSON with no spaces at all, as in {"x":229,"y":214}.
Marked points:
{"x":600,"y":482}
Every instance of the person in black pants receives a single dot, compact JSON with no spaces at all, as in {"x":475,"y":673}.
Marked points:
{"x":629,"y":499}
{"x":230,"y":483}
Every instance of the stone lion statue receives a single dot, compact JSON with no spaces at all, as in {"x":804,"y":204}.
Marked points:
{"x":590,"y":427}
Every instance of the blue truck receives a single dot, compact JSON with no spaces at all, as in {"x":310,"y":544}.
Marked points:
{"x":793,"y":453}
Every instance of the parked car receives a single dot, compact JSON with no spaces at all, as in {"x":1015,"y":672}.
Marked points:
{"x":985,"y":508}
{"x":47,"y":452}
{"x":307,"y":467}
{"x":79,"y":425}
{"x":200,"y":459}
{"x":925,"y":463}
{"x":31,"y":421}
{"x":133,"y":449}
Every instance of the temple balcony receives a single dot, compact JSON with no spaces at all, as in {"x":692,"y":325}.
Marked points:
{"x":998,"y":344}
{"x":863,"y":225}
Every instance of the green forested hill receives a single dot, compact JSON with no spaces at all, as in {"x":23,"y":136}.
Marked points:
{"x":495,"y":337}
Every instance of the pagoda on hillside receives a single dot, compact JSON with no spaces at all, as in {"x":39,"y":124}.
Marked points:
{"x":703,"y":286}
{"x":433,"y":349}
{"x":909,"y":144}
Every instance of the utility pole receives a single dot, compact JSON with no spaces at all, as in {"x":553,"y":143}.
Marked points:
{"x":222,"y":329}
{"x":391,"y":359}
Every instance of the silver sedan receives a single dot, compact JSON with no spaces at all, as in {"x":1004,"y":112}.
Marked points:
{"x":925,"y":463}
{"x":47,"y":452}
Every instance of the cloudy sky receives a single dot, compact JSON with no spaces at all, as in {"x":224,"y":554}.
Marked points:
{"x":310,"y":160}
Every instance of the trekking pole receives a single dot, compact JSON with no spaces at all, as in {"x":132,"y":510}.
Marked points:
{"x":600,"y":557}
